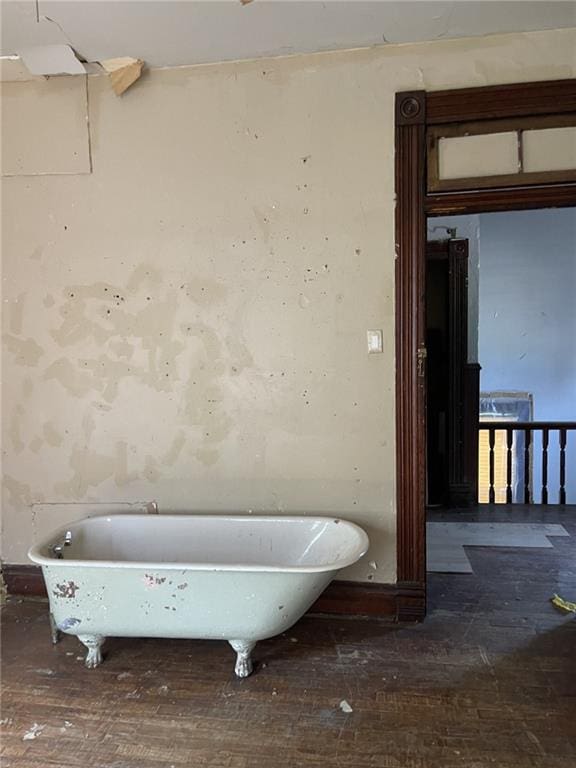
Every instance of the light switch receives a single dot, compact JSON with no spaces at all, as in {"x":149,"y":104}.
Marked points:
{"x":374,"y":342}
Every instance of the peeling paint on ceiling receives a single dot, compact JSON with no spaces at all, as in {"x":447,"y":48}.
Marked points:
{"x":170,"y":33}
{"x":51,"y":60}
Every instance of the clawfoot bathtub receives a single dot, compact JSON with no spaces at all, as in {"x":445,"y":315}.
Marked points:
{"x":235,"y":578}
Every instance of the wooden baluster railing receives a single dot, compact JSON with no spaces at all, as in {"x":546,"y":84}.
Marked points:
{"x":545,"y":466}
{"x":527,"y":478}
{"x":562,"y":496}
{"x":491,"y":440}
{"x":528,"y":428}
{"x":509,"y":443}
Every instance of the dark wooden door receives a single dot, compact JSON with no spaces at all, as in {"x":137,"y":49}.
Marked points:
{"x":452,"y":387}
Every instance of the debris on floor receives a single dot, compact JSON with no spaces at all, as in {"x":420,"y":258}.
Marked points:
{"x":34,"y":732}
{"x":564,"y":605}
{"x":345,"y":707}
{"x":3,"y":591}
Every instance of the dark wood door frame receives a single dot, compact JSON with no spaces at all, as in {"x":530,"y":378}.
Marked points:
{"x":415,"y":111}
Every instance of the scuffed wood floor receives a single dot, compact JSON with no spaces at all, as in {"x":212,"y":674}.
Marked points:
{"x":488,"y":680}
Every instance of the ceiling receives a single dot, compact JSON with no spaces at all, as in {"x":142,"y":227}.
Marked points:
{"x":172,"y":32}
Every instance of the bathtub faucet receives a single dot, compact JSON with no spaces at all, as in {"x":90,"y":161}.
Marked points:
{"x":57,"y":549}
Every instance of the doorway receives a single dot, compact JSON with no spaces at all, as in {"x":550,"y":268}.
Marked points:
{"x":517,"y":322}
{"x":452,"y":372}
{"x":423,"y":191}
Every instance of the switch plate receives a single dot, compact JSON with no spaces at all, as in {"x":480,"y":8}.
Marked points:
{"x":374,"y":342}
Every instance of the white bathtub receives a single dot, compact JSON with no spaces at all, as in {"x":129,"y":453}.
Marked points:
{"x":236,"y":578}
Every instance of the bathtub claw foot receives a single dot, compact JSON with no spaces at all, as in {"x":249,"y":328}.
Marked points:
{"x":243,"y":650}
{"x":94,"y":644}
{"x":54,"y":631}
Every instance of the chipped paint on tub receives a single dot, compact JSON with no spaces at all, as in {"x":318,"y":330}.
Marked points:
{"x":151,"y":582}
{"x":68,"y":623}
{"x":67,"y":589}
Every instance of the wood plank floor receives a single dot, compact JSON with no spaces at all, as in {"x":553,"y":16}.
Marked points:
{"x":489,"y":679}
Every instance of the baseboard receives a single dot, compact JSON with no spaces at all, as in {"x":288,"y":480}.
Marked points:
{"x":24,"y":580}
{"x":411,"y":601}
{"x":354,"y":598}
{"x":398,"y":602}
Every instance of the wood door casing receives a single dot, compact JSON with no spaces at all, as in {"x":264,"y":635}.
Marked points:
{"x":410,"y":338}
{"x":415,"y":111}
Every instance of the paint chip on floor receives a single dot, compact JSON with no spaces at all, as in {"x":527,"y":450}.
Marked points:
{"x":564,"y":605}
{"x":34,"y":732}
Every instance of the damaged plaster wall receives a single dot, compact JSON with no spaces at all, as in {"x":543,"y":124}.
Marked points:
{"x":57,"y":110}
{"x":188,"y":322}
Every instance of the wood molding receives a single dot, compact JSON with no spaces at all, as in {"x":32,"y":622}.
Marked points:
{"x":410,"y":601}
{"x":410,"y":108}
{"x":402,"y":602}
{"x":503,"y":180}
{"x":24,"y":580}
{"x":352,"y":598}
{"x":458,"y":356}
{"x":344,"y":598}
{"x":471,"y":419}
{"x":514,"y":124}
{"x":410,"y":338}
{"x":506,"y":199}
{"x":501,"y":101}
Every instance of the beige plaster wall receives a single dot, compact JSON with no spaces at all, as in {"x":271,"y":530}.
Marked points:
{"x":188,"y":322}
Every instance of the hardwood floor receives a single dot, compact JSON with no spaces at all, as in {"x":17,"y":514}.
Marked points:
{"x":489,"y":679}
